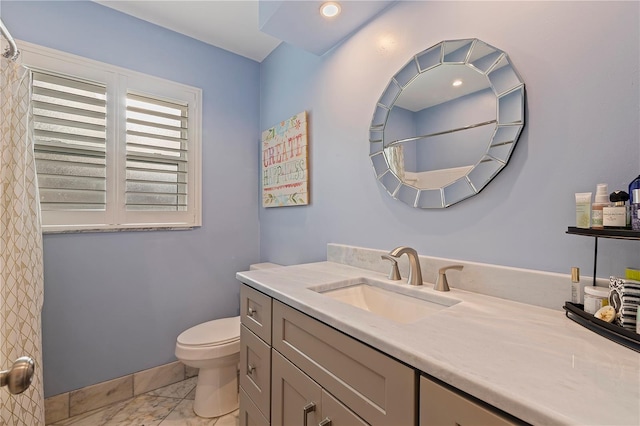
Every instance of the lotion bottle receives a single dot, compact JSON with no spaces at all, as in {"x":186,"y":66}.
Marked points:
{"x":601,"y":200}
{"x":583,"y":210}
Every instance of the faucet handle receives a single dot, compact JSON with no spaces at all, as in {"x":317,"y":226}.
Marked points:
{"x":394,"y":273}
{"x":441,"y":282}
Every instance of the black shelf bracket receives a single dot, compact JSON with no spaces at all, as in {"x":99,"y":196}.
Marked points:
{"x":620,"y":234}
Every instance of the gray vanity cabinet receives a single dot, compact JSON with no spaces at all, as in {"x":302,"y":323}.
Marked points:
{"x":299,"y":360}
{"x":295,"y":370}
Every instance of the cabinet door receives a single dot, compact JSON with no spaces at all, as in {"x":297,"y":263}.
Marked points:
{"x":442,"y":406}
{"x":337,"y":414}
{"x":248,"y":414}
{"x":295,"y":398}
{"x":255,"y":369}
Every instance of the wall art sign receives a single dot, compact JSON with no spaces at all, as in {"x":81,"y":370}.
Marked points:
{"x":285,"y":166}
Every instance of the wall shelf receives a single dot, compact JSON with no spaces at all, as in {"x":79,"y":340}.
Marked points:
{"x":620,"y":234}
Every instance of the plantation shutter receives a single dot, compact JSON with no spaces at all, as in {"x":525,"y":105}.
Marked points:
{"x":156,"y":154}
{"x":69,"y":117}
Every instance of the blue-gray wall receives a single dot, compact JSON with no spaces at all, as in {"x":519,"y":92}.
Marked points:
{"x":115,"y":302}
{"x":580,"y":65}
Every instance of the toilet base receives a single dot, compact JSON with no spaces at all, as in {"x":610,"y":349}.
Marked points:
{"x":217,"y":389}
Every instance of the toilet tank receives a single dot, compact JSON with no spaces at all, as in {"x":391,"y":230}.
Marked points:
{"x":266,"y":265}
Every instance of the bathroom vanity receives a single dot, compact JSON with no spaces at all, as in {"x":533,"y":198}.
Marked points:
{"x":309,"y":356}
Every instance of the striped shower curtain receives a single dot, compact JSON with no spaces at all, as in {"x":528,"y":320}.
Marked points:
{"x":21,"y":270}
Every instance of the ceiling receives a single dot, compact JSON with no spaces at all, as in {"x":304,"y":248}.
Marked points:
{"x":253,"y":28}
{"x":230,"y":25}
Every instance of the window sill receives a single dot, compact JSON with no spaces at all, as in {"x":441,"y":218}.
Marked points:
{"x":77,"y":230}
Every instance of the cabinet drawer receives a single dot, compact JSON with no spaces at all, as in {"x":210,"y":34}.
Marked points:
{"x":255,"y":312}
{"x":249,"y":415}
{"x":442,"y":406}
{"x":376,"y":387}
{"x":255,"y":370}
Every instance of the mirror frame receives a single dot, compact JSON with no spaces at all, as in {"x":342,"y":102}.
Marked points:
{"x":509,"y":94}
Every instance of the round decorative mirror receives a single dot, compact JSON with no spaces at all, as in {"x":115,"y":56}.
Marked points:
{"x":447,"y":123}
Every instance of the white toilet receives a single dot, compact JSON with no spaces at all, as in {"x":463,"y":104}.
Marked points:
{"x":214,"y":348}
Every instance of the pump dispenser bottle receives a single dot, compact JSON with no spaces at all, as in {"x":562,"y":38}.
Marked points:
{"x":601,"y":200}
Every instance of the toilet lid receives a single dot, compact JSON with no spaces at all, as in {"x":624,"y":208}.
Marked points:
{"x":216,"y":332}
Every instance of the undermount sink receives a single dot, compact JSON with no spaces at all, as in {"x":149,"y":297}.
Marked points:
{"x":400,"y":304}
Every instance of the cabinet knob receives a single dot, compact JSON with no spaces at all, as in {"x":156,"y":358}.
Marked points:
{"x":309,"y":408}
{"x":325,"y":422}
{"x":250,"y":369}
{"x":250,"y":311}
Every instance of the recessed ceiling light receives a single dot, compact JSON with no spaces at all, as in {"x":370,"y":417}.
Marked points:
{"x":457,"y":83}
{"x":330,"y":9}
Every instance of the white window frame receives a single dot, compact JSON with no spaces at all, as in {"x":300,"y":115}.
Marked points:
{"x":118,"y":82}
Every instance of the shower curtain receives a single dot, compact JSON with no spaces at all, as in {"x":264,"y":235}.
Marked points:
{"x":21,"y":269}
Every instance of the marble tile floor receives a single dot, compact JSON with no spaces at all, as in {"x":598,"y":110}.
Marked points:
{"x":167,"y":406}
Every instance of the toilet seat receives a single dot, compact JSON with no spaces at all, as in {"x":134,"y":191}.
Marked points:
{"x":210,"y":340}
{"x":212,"y":333}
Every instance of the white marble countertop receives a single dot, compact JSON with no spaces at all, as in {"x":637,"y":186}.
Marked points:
{"x":531,"y":362}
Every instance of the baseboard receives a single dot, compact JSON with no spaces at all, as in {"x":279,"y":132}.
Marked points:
{"x":69,"y":404}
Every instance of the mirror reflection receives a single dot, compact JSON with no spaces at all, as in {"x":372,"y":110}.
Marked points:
{"x":446,"y":124}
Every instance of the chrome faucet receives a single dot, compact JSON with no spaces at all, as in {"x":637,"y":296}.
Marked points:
{"x":415,"y":274}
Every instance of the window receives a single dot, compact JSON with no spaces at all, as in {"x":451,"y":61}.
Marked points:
{"x":115,"y":149}
{"x":69,"y":130}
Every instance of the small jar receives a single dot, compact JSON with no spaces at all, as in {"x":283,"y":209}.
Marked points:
{"x":595,"y":298}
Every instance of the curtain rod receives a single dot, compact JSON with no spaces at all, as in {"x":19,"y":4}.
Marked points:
{"x":12,"y":51}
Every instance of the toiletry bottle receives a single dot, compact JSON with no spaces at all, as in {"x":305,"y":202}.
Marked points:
{"x":615,"y":215}
{"x":575,"y":285}
{"x":601,"y":200}
{"x":635,"y":184}
{"x":634,"y":203}
{"x":635,"y":210}
{"x":583,"y":210}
